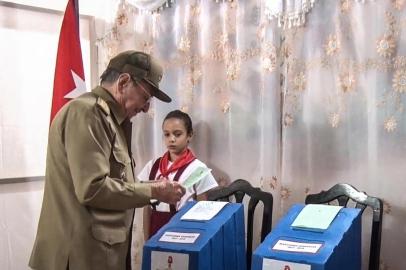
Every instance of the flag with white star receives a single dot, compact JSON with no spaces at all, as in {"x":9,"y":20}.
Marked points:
{"x":69,"y":80}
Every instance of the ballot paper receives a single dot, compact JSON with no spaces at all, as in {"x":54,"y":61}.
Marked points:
{"x":203,"y":210}
{"x":316,"y":217}
{"x":196,"y":176}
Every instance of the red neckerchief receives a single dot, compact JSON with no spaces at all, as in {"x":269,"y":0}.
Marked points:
{"x":184,"y":159}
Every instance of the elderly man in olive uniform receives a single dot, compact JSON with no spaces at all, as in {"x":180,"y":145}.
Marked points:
{"x":90,"y":191}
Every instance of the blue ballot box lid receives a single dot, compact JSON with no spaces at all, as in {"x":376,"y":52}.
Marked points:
{"x":341,"y":241}
{"x":218,"y":243}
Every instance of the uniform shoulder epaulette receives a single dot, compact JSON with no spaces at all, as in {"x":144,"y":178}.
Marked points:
{"x":103,"y":105}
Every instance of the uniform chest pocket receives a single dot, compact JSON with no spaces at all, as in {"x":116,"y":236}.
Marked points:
{"x":120,"y":162}
{"x":121,"y":156}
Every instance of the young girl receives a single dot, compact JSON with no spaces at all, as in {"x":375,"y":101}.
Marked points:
{"x":175,"y":165}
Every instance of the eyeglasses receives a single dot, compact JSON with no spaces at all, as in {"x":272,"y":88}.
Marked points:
{"x":147,"y":96}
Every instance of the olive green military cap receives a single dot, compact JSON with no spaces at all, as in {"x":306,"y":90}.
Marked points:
{"x":140,"y":66}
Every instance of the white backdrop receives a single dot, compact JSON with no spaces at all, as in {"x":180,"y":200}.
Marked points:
{"x":29,"y":38}
{"x":28,"y":46}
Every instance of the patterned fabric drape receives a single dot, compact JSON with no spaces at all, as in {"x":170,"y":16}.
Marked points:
{"x":292,"y":110}
{"x":150,"y":5}
{"x":344,"y":85}
{"x":289,"y":13}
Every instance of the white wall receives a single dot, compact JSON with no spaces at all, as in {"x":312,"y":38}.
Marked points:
{"x":29,"y":32}
{"x":98,"y":9}
{"x":28,"y":52}
{"x":20,"y":206}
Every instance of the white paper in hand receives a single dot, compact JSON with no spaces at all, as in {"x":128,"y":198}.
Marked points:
{"x":196,"y":176}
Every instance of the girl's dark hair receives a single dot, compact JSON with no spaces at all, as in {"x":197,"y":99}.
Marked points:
{"x":181,"y":116}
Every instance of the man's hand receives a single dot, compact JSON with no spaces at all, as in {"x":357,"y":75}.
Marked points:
{"x":167,"y":191}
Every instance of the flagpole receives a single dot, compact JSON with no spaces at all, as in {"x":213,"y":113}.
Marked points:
{"x":76,"y":4}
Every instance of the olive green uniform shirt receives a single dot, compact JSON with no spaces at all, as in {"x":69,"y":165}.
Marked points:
{"x":90,"y":191}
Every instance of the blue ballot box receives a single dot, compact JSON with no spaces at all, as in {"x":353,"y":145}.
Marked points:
{"x":288,"y":248}
{"x":215,"y":244}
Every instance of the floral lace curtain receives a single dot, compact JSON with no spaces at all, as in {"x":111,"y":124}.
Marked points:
{"x":294,"y":110}
{"x":344,"y":85}
{"x":289,"y":13}
{"x":150,"y":5}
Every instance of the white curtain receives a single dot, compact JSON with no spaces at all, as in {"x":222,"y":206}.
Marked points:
{"x":293,"y":109}
{"x":344,"y":88}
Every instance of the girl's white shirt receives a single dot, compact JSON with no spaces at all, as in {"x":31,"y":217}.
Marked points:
{"x":207,"y":183}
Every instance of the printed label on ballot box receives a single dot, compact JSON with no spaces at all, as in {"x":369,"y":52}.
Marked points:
{"x":179,"y":237}
{"x":294,"y":246}
{"x":169,"y":261}
{"x":270,"y":264}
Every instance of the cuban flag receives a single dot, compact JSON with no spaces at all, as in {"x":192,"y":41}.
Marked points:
{"x":69,"y":80}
